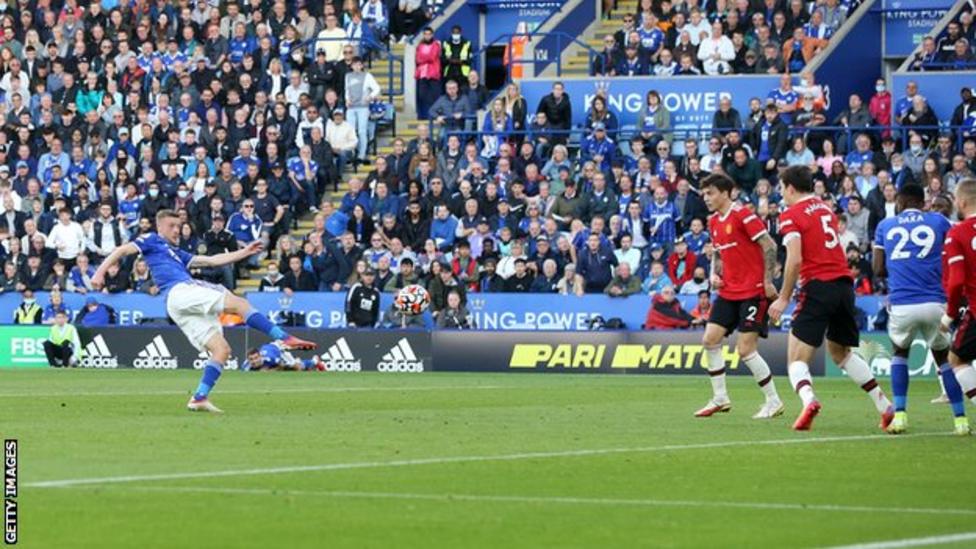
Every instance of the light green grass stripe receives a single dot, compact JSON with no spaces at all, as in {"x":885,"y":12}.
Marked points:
{"x":61,"y":483}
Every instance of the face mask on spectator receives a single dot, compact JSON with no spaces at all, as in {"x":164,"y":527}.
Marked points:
{"x":455,"y":38}
{"x":916,"y":147}
{"x":879,"y":88}
{"x":182,"y":194}
{"x":154,"y":192}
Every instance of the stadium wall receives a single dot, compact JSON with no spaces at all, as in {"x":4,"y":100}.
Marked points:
{"x":406,"y":351}
{"x":940,"y":89}
{"x":852,"y":61}
{"x":491,"y":312}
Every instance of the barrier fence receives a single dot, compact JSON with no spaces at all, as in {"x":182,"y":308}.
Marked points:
{"x":418,"y":351}
{"x":406,"y":351}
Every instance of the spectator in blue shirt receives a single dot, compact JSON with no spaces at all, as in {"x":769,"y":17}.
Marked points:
{"x":662,"y":216}
{"x":303,"y":170}
{"x":595,"y":265}
{"x":443,"y":228}
{"x":246,"y":228}
{"x":356,"y":195}
{"x":240,"y":45}
{"x":598,"y":147}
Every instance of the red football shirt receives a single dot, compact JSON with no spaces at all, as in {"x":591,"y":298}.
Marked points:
{"x":813,"y":221}
{"x":734,"y":235}
{"x":960,"y":251}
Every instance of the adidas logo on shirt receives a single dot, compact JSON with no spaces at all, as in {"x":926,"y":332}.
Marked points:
{"x":401,"y":358}
{"x":339,"y":358}
{"x":156,"y":355}
{"x":97,"y":355}
{"x":202,"y":357}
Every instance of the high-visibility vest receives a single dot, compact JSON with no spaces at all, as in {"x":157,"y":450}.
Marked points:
{"x":463,"y":55}
{"x":27,"y":314}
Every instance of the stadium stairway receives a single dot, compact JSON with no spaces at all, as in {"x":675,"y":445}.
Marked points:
{"x":405,"y":127}
{"x":577,"y":61}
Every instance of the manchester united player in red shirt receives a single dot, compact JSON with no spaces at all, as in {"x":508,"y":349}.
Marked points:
{"x":960,"y":251}
{"x":742,"y":267}
{"x":825,"y":301}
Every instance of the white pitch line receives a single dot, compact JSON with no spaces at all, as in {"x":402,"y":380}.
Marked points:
{"x":622,"y":502}
{"x":61,"y":483}
{"x":912,"y":542}
{"x":265,"y":390}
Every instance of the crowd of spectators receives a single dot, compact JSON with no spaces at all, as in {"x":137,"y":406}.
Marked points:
{"x":952,"y":50}
{"x":741,"y":37}
{"x":620,"y":218}
{"x":239,"y":115}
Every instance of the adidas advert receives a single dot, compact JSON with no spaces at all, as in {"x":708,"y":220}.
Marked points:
{"x":156,"y":355}
{"x":401,"y":358}
{"x":98,"y":355}
{"x":339,"y":358}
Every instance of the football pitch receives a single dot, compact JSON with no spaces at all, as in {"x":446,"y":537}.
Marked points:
{"x":112,"y":459}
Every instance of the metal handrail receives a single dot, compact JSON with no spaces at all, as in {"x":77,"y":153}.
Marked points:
{"x":625,"y":133}
{"x":560,"y":37}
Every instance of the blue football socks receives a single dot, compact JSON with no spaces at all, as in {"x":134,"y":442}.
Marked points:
{"x":899,"y":382}
{"x":953,"y":390}
{"x":211,"y":373}
{"x":263,"y":324}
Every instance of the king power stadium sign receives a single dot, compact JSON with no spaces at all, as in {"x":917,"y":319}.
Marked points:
{"x":691,"y":100}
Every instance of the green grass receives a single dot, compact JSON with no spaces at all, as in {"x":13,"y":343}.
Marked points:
{"x":92,"y":424}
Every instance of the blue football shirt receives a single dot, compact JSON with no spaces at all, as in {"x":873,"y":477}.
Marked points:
{"x":167,"y":263}
{"x":912,"y":241}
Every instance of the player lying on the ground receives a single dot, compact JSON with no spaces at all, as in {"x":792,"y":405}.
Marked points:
{"x":742,"y":270}
{"x":908,"y":250}
{"x":273,"y":356}
{"x":960,"y":250}
{"x":193,"y":304}
{"x":825,"y":301}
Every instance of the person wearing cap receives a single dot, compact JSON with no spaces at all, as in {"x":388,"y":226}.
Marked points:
{"x":341,"y":136}
{"x":363,"y":302}
{"x":95,"y":314}
{"x":681,"y":263}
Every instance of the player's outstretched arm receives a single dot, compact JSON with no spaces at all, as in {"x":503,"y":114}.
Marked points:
{"x":227,"y":258}
{"x":98,"y":280}
{"x":791,"y":272}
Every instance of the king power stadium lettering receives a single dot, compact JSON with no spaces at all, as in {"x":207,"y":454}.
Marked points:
{"x":624,"y":356}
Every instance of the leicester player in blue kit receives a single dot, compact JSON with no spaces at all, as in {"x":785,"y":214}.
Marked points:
{"x":908,"y":250}
{"x":272,"y":356}
{"x":193,"y":304}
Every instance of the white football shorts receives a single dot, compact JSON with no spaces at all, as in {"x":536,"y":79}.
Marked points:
{"x":195,"y":307}
{"x":921,"y":320}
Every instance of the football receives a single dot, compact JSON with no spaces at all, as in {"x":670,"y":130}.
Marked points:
{"x":412,"y":300}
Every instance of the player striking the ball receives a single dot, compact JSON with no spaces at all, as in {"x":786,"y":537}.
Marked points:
{"x":825,"y":302}
{"x":908,"y":250}
{"x":195,"y":305}
{"x":960,"y":250}
{"x":741,"y":242}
